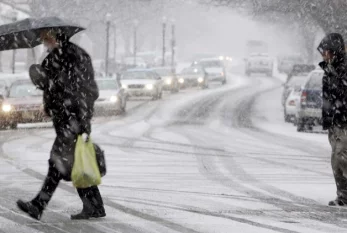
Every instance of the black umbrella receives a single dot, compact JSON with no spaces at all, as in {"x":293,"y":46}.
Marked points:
{"x":26,"y":33}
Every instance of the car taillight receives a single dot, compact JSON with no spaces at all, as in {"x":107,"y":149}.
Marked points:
{"x":303,"y":97}
{"x":292,"y":103}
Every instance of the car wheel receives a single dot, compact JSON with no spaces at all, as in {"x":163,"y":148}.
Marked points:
{"x":300,"y":125}
{"x":224,"y":82}
{"x":13,"y":125}
{"x":123,"y":108}
{"x":286,"y":117}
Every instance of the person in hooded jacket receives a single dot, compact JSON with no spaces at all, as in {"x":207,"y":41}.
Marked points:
{"x":334,"y":110}
{"x":69,"y":93}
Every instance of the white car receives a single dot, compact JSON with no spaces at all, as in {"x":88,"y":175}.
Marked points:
{"x":112,"y":98}
{"x":142,"y":82}
{"x":292,"y":91}
{"x":291,"y":105}
{"x":260,"y":63}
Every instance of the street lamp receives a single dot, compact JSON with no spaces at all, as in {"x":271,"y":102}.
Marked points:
{"x":164,"y":31}
{"x":108,"y":23}
{"x":173,"y":44}
{"x":115,"y":44}
{"x":136,"y":23}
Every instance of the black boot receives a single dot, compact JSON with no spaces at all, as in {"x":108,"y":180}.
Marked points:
{"x":93,"y":206}
{"x":338,"y":202}
{"x":86,"y":214}
{"x":29,"y":208}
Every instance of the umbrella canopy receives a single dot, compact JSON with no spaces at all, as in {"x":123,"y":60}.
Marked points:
{"x":26,"y":33}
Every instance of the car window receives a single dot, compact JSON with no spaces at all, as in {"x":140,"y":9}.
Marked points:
{"x":163,"y":72}
{"x":315,"y":81}
{"x":107,"y":84}
{"x":208,"y":64}
{"x":24,"y":90}
{"x":192,"y":70}
{"x":137,"y":75}
{"x":297,"y":80}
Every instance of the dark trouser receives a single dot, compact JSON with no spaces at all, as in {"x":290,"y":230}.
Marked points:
{"x":338,"y":142}
{"x":91,"y":198}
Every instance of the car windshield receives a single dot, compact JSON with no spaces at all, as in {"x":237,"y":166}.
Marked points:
{"x":137,"y":75}
{"x":297,"y":81}
{"x":107,"y":84}
{"x":24,"y":90}
{"x":163,"y":72}
{"x":191,"y":71}
{"x":315,"y":81}
{"x":208,"y":64}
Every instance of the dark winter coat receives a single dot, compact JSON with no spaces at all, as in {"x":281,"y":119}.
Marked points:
{"x":69,"y":95}
{"x":334,"y":110}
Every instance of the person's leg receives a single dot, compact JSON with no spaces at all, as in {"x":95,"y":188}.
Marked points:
{"x":35,"y":207}
{"x":49,"y":186}
{"x":93,"y":206}
{"x":338,"y":141}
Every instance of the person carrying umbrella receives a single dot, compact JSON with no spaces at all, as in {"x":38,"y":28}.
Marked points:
{"x":66,"y":77}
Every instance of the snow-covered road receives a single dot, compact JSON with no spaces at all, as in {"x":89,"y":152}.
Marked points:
{"x":217,"y":160}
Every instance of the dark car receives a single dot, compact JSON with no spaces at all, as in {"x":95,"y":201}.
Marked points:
{"x":310,"y":107}
{"x":194,"y":76}
{"x":169,"y":78}
{"x":215,"y":69}
{"x":22,"y":104}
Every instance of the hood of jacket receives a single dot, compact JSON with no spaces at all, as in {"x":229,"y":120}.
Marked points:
{"x":335,"y":44}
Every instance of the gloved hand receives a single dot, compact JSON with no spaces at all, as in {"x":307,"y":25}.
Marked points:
{"x":85,"y":127}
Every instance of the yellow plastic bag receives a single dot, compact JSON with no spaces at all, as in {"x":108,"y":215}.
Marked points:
{"x":85,"y":172}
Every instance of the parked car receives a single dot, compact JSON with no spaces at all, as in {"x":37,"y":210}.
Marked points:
{"x":22,"y":104}
{"x":291,"y":104}
{"x":195,"y":76}
{"x":259,"y":63}
{"x":112,"y":97}
{"x":215,"y":69}
{"x":286,"y":63}
{"x":142,"y":82}
{"x":169,"y":78}
{"x":310,"y":106}
{"x":293,"y":82}
{"x":300,"y":69}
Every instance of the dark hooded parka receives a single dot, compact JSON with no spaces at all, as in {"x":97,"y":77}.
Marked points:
{"x":334,"y":82}
{"x":69,"y":95}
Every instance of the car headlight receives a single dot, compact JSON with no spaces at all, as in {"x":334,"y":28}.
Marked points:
{"x":6,"y":108}
{"x":181,"y":80}
{"x":125,"y":86}
{"x":114,"y":98}
{"x":150,"y":86}
{"x":168,"y":81}
{"x":200,"y":80}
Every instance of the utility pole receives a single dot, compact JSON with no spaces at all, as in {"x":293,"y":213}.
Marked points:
{"x":136,"y":23}
{"x":164,"y":35}
{"x":173,"y":45}
{"x":108,"y":23}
